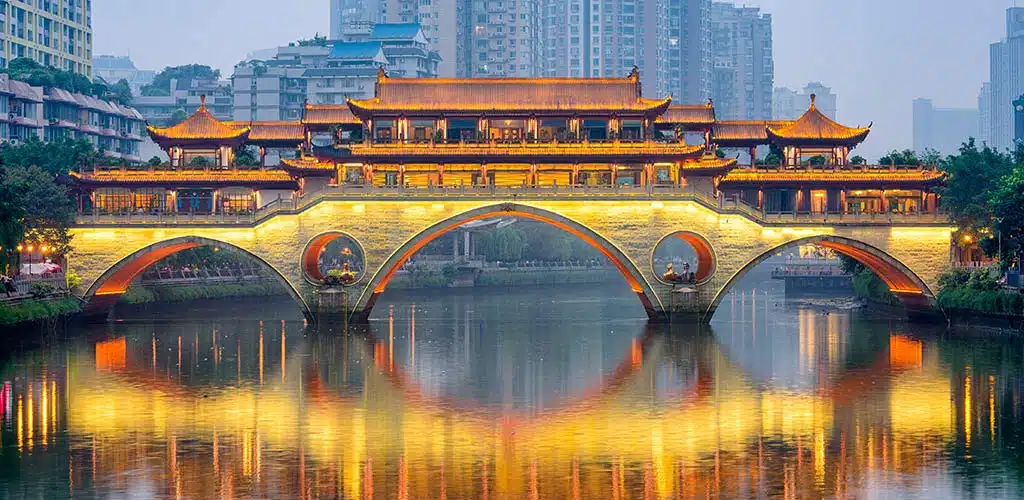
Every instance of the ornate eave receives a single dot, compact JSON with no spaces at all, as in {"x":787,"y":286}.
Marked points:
{"x":743,"y":133}
{"x":308,"y":167}
{"x":624,"y":152}
{"x":835,"y":177}
{"x":172,"y":179}
{"x":275,"y":134}
{"x":709,"y":164}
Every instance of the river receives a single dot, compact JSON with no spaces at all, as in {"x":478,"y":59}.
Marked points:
{"x":560,"y":392}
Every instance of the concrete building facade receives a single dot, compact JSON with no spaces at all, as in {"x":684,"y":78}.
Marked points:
{"x":942,"y":129}
{"x":591,"y":38}
{"x":186,"y":95}
{"x":682,"y":49}
{"x":446,"y":26}
{"x":344,"y":12}
{"x":744,"y":68}
{"x":113,"y":69}
{"x":56,"y":33}
{"x":985,"y":113}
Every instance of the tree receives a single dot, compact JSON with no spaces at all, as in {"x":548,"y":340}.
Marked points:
{"x":200,"y":161}
{"x":48,"y":209}
{"x":905,"y":157}
{"x":53,"y":157}
{"x":178,"y":116}
{"x":245,"y":157}
{"x":318,"y":40}
{"x":12,"y":213}
{"x":858,"y":160}
{"x":121,"y":93}
{"x":1007,"y":204}
{"x":155,"y":162}
{"x":817,"y":160}
{"x":974,"y":175}
{"x":774,"y":156}
{"x":719,"y":153}
{"x":161,"y":84}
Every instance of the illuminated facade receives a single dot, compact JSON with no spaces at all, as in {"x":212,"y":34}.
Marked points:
{"x":590,"y":156}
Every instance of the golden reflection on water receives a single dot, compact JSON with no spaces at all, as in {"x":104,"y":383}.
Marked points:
{"x":344,"y":421}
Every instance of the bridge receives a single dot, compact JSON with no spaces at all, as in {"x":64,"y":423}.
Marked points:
{"x":625,"y":224}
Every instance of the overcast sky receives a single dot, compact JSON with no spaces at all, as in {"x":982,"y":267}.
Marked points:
{"x":877,"y":55}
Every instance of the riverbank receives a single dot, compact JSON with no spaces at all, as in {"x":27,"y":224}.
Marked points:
{"x":416,"y":279}
{"x":143,"y":294}
{"x":29,"y":310}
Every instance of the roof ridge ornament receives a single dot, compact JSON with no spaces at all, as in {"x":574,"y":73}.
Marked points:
{"x":814,"y":97}
{"x":202,"y":101}
{"x":381,"y":74}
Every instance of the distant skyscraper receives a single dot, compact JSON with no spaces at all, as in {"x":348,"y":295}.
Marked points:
{"x":943,"y":130}
{"x":354,"y":11}
{"x":985,"y":114}
{"x":681,"y":48}
{"x":744,"y":71}
{"x":1007,"y":78}
{"x":789,"y":104}
{"x":505,"y":39}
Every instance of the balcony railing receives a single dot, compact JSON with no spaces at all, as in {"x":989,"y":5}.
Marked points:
{"x":654,"y":193}
{"x":518,"y":148}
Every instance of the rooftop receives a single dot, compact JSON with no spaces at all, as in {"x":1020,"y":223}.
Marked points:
{"x":200,"y":126}
{"x":814,"y":126}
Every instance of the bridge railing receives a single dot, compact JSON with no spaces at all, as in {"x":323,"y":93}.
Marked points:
{"x":511,"y":193}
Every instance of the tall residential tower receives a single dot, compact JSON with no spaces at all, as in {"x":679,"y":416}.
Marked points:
{"x":1006,"y":78}
{"x":744,"y":70}
{"x":55,"y":33}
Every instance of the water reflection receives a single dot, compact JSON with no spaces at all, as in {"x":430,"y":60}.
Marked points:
{"x":421,"y":405}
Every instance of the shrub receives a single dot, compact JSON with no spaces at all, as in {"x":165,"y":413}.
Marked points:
{"x":42,"y":290}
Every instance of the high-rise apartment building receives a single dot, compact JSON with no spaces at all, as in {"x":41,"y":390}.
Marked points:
{"x":55,"y":33}
{"x":593,"y":38}
{"x":744,"y":69}
{"x":682,"y":63}
{"x":942,"y":129}
{"x":446,"y":25}
{"x":789,"y":104}
{"x":505,"y":39}
{"x":1006,"y":67}
{"x":113,"y":69}
{"x":344,"y":12}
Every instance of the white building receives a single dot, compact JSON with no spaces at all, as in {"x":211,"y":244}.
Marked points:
{"x":113,"y":69}
{"x":53,"y":113}
{"x":53,"y":33}
{"x":185,"y":95}
{"x":789,"y":104}
{"x":276,"y":89}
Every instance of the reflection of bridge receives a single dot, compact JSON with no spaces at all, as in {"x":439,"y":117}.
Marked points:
{"x":907,"y":253}
{"x":633,"y":439}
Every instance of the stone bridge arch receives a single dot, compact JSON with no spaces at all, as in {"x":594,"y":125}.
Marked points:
{"x":901,"y":280}
{"x":625,"y":265}
{"x":104,"y":291}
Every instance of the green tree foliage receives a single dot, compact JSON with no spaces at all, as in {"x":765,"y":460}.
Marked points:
{"x":12,"y":214}
{"x":48,"y":209}
{"x":1007,"y":205}
{"x":774,"y":156}
{"x":177,"y":117}
{"x":161,"y":85}
{"x":504,"y":244}
{"x":246,"y":157}
{"x":37,"y":75}
{"x":155,"y":162}
{"x":54,"y":157}
{"x":974,"y":175}
{"x":200,"y":161}
{"x":858,"y":160}
{"x":817,"y":160}
{"x":318,"y":40}
{"x":905,"y":157}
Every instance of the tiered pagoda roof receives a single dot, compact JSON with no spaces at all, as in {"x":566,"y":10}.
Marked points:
{"x":699,"y":116}
{"x":743,"y":133}
{"x":265,"y":179}
{"x":274,"y":134}
{"x":328,"y":115}
{"x":200,"y":128}
{"x":709,"y":164}
{"x":509,"y":96}
{"x":308,"y":166}
{"x":816,"y":129}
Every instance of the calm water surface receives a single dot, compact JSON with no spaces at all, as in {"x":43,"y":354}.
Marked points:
{"x":530,"y":393}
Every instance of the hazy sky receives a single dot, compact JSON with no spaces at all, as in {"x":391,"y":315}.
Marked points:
{"x":877,"y":55}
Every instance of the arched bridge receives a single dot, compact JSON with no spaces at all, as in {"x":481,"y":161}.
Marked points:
{"x":908,"y":254}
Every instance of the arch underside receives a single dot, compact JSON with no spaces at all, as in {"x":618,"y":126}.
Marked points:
{"x":902,"y":281}
{"x":115,"y":281}
{"x":639,"y":285}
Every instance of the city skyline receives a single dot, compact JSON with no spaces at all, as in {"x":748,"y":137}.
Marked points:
{"x":876,"y":64}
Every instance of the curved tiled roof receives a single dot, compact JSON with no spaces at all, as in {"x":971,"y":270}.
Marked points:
{"x":524,"y":95}
{"x":688,"y":115}
{"x":328,"y":115}
{"x":815,"y":127}
{"x":200,"y":126}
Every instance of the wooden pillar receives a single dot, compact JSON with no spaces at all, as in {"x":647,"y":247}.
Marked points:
{"x":648,"y":174}
{"x":485,"y":179}
{"x":753,"y":156}
{"x":842,"y":200}
{"x":368,"y":174}
{"x":884,"y":201}
{"x":614,"y":173}
{"x":760,"y":198}
{"x":574,"y":175}
{"x":263,"y":157}
{"x":440,"y":174}
{"x":401,"y":174}
{"x":532,"y":178}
